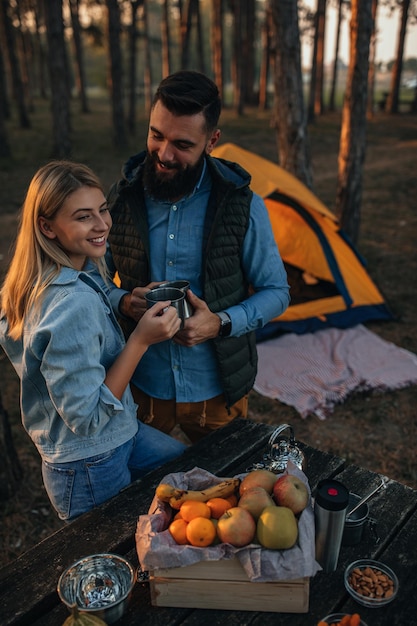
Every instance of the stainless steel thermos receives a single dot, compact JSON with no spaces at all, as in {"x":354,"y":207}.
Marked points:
{"x":330,"y":506}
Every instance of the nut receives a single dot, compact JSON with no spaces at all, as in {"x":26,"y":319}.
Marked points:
{"x":371,"y":583}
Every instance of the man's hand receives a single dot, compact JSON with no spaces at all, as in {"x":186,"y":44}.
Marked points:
{"x":134,"y":304}
{"x":202,"y":325}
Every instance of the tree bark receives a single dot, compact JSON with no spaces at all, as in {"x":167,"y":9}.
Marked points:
{"x":332,"y":103}
{"x":10,"y":468}
{"x":131,"y":115}
{"x":237,"y":58}
{"x":371,"y":72}
{"x":58,"y":71}
{"x":289,"y":111}
{"x":353,"y":130}
{"x":266,"y":53}
{"x":79,"y":55}
{"x":5,"y":150}
{"x":147,"y":74}
{"x":217,"y":44}
{"x":18,"y":88}
{"x":40,"y":52}
{"x":394,"y":94}
{"x":166,"y":40}
{"x":319,"y":84}
{"x":249,"y":30}
{"x":185,"y":33}
{"x":116,"y":73}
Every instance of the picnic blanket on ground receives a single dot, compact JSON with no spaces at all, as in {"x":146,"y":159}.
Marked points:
{"x":315,"y":371}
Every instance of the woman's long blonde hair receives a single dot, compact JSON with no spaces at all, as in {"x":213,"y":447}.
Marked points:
{"x":37,"y":260}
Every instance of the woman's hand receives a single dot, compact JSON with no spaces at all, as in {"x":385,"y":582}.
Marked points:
{"x":158,"y":323}
{"x":134,"y":304}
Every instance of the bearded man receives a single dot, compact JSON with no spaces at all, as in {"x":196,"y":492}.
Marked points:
{"x":180,"y":214}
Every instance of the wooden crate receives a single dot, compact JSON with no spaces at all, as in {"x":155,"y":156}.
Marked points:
{"x":224,"y":585}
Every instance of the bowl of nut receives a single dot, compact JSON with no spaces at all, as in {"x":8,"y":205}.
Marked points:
{"x":371,"y":583}
{"x":342,"y":619}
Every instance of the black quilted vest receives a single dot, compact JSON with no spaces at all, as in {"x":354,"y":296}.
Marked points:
{"x":224,"y":283}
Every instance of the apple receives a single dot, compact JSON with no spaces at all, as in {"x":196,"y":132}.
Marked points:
{"x":291,"y":491}
{"x":277,"y":528}
{"x":255,"y":500}
{"x":258,"y":478}
{"x":237,"y":527}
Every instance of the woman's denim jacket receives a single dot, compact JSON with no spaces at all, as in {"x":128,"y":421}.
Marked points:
{"x":62,"y":361}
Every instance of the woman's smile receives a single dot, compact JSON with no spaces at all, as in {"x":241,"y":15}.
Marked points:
{"x":81,"y":226}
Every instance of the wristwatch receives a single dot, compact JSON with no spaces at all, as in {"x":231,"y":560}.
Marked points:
{"x":225,"y":324}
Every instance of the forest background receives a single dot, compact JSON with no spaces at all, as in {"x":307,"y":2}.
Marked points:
{"x":371,"y":429}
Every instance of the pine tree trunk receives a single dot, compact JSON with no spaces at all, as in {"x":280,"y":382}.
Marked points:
{"x":18,"y":90}
{"x":165,"y":40}
{"x":116,"y":73}
{"x":79,"y":56}
{"x":394,"y":94}
{"x":5,"y":151}
{"x":319,"y":85}
{"x":371,"y":73}
{"x":353,"y":131}
{"x":290,"y":118}
{"x":58,"y":72}
{"x":332,"y":103}
{"x":217,"y":44}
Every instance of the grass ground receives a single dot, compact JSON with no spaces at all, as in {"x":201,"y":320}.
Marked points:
{"x":375,"y":430}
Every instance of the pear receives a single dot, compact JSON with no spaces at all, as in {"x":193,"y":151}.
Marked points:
{"x":277,"y":528}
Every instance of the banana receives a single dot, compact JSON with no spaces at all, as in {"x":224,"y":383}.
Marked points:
{"x":176,"y":497}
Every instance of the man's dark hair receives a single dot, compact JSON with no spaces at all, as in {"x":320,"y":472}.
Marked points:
{"x":187,"y":93}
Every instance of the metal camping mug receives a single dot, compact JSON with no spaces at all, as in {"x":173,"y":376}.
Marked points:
{"x":176,"y":296}
{"x":184,"y":286}
{"x":354,"y":525}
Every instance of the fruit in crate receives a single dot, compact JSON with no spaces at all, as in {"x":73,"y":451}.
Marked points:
{"x":258,"y":478}
{"x":290,"y":491}
{"x":218,"y":506}
{"x":201,"y":532}
{"x":255,"y":500}
{"x":236,"y":527}
{"x":193,"y":508}
{"x":277,"y":528}
{"x":175,"y":497}
{"x":178,"y":530}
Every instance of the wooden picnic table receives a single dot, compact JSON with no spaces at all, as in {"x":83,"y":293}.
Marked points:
{"x":28,"y":585}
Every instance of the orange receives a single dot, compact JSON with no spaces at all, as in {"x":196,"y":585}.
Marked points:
{"x":232,"y":499}
{"x":178,"y":515}
{"x":178,"y":529}
{"x":201,"y":532}
{"x":218,"y":506}
{"x":192,"y":508}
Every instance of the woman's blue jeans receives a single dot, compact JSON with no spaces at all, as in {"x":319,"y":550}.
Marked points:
{"x":78,"y":486}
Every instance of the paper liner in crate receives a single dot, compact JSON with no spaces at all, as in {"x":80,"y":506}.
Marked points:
{"x":157,"y":549}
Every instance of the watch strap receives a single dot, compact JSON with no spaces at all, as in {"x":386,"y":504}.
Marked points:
{"x":225,"y":324}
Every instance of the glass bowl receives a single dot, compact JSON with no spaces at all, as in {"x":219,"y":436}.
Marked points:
{"x":99,"y":584}
{"x":380,"y":596}
{"x":335,"y":618}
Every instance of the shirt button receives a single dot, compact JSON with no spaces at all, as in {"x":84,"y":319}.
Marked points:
{"x":171,"y":236}
{"x":174,"y":207}
{"x":170,"y":263}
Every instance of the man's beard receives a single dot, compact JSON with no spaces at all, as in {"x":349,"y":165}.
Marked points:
{"x":170,"y":188}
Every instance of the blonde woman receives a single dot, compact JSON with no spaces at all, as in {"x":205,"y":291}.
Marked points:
{"x":58,"y":330}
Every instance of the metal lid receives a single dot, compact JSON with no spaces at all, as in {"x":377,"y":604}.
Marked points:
{"x":332,"y":495}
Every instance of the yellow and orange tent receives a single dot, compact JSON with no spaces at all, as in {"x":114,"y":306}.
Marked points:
{"x":330,"y":285}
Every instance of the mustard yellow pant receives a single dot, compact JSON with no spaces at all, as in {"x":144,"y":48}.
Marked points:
{"x":196,"y":419}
